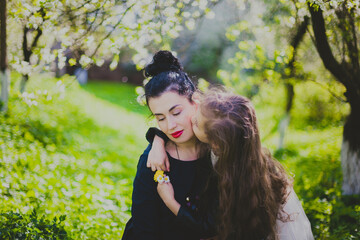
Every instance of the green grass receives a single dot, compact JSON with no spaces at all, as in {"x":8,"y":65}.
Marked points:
{"x":75,"y":154}
{"x":122,"y":95}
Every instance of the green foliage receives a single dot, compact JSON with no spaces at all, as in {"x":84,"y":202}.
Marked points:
{"x":206,"y":60}
{"x":19,"y":226}
{"x":345,"y":218}
{"x":70,"y":154}
{"x":312,"y":157}
{"x":315,"y":106}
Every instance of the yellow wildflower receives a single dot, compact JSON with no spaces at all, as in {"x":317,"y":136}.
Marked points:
{"x":159,"y":176}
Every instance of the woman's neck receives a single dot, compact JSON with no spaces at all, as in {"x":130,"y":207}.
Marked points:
{"x":183,"y":151}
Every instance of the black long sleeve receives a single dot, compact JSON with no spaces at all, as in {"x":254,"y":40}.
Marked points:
{"x":145,"y":222}
{"x":150,"y":134}
{"x":204,"y":225}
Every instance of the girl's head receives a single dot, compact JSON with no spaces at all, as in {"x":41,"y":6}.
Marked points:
{"x":169,"y":96}
{"x":252,"y":185}
{"x":224,"y":119}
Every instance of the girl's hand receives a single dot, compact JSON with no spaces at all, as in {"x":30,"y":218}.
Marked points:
{"x":166,"y":192}
{"x":158,"y":159}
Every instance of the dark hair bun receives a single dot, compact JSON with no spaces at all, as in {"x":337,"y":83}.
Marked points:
{"x":163,"y":61}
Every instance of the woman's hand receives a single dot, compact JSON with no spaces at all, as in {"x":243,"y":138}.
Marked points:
{"x":166,"y":192}
{"x":158,"y":159}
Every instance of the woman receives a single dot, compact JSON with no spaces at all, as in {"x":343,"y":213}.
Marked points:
{"x":169,"y":97}
{"x":256,"y":199}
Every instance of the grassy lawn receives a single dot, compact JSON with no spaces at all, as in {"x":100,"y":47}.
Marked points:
{"x":73,"y":155}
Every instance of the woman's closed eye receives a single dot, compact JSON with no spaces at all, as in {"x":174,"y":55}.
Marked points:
{"x":176,"y":113}
{"x":160,"y":117}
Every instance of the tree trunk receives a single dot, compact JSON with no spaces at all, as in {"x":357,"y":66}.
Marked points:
{"x":4,"y":73}
{"x":294,"y":42}
{"x":5,"y":89}
{"x":348,"y":75}
{"x":24,"y":80}
{"x":283,"y":125}
{"x":350,"y":152}
{"x":28,"y":50}
{"x":285,"y":121}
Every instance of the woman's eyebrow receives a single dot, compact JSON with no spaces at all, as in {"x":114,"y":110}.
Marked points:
{"x":173,"y":107}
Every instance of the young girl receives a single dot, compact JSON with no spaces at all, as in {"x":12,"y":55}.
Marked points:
{"x":256,"y":199}
{"x":169,"y":97}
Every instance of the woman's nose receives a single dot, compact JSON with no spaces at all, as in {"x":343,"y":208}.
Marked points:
{"x":171,"y":123}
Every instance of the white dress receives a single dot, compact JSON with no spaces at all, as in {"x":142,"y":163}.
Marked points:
{"x":298,"y":226}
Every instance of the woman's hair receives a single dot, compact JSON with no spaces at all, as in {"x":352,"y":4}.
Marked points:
{"x":252,"y":185}
{"x":166,"y":75}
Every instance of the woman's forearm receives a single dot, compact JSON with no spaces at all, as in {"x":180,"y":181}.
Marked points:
{"x":173,"y":205}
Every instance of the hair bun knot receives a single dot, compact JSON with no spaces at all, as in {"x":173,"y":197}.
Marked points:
{"x":163,"y":61}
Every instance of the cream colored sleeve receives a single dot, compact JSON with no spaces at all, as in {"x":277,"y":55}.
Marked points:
{"x":298,"y":226}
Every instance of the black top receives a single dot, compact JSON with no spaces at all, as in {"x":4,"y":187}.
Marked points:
{"x":151,"y":219}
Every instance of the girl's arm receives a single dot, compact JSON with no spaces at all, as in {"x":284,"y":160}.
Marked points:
{"x":158,"y":159}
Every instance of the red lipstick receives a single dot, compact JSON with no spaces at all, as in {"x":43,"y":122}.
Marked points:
{"x":177,"y":134}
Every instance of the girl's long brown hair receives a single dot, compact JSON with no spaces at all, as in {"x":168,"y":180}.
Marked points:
{"x":252,"y":185}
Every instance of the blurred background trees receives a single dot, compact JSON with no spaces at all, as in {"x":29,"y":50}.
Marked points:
{"x":334,"y":33}
{"x":88,"y":32}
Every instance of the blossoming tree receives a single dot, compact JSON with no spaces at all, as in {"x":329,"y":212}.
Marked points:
{"x":97,"y":30}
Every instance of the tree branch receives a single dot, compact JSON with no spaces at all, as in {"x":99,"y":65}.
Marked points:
{"x":25,"y":45}
{"x":329,"y":90}
{"x":300,"y":33}
{"x":355,"y":54}
{"x":348,"y":38}
{"x":109,"y":33}
{"x":323,"y":47}
{"x":36,"y":39}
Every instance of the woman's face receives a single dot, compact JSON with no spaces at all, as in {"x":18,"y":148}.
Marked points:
{"x":173,"y":113}
{"x":198,"y":122}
